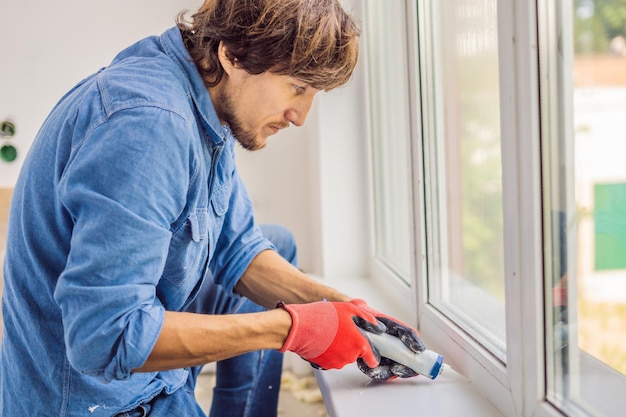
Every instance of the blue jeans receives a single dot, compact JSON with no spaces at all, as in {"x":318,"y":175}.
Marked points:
{"x":246,"y":385}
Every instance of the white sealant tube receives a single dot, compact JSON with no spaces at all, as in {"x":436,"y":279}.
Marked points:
{"x":427,"y":363}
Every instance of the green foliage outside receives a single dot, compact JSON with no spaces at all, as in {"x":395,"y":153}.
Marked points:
{"x":596,"y":23}
{"x":481,"y":173}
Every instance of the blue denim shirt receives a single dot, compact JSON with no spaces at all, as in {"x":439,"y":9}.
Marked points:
{"x":128,"y":196}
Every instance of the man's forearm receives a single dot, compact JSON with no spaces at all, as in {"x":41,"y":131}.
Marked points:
{"x":269,"y":278}
{"x":189,"y":339}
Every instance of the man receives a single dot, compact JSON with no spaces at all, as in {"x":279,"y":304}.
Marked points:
{"x":132,"y":255}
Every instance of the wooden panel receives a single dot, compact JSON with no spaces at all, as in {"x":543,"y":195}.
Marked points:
{"x":5,"y":200}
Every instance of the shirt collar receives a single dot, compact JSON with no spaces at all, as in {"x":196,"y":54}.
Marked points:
{"x":172,"y":43}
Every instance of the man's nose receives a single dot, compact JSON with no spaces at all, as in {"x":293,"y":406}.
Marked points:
{"x":298,"y":113}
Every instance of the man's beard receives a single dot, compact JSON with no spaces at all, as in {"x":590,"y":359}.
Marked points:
{"x":245,"y":138}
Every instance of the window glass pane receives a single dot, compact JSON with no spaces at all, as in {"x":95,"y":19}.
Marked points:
{"x":390,"y":127}
{"x":463,"y":168}
{"x":584,"y":120}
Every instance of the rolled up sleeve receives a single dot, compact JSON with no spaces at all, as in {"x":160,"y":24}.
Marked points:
{"x":122,"y":189}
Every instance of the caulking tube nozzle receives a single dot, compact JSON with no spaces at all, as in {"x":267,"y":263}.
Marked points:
{"x":448,"y":372}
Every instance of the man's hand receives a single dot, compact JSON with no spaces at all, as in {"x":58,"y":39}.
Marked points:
{"x":389,"y":369}
{"x":329,"y":335}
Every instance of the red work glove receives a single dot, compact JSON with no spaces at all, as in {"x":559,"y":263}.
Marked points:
{"x":389,"y":369}
{"x":329,"y":335}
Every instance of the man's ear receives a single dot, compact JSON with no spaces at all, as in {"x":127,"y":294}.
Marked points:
{"x":229,"y":63}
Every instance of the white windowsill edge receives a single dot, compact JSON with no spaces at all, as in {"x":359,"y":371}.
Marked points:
{"x":348,"y":392}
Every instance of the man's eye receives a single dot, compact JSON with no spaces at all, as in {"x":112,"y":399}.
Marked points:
{"x":299,"y":89}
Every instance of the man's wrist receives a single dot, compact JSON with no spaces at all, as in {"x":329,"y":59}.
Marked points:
{"x":283,"y":326}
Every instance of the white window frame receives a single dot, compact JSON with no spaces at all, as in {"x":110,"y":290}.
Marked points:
{"x":493,"y":378}
{"x":401,"y":289}
{"x":528,"y":45}
{"x":517,"y":387}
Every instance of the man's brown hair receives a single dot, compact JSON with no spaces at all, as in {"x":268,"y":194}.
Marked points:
{"x":311,"y":40}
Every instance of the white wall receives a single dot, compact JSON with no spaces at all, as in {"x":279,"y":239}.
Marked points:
{"x":48,"y":46}
{"x":311,"y":179}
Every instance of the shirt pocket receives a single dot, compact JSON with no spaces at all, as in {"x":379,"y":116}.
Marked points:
{"x":188,"y":250}
{"x":220,"y":199}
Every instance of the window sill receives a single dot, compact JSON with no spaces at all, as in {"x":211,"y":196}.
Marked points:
{"x":348,"y":392}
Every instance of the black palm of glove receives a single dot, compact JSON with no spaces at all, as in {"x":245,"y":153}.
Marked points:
{"x":388,"y":368}
{"x":407,"y":335}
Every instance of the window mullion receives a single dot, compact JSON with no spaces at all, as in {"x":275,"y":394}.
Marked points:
{"x":521,"y":166}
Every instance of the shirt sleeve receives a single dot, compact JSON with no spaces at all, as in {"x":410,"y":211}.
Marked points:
{"x":123,"y":186}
